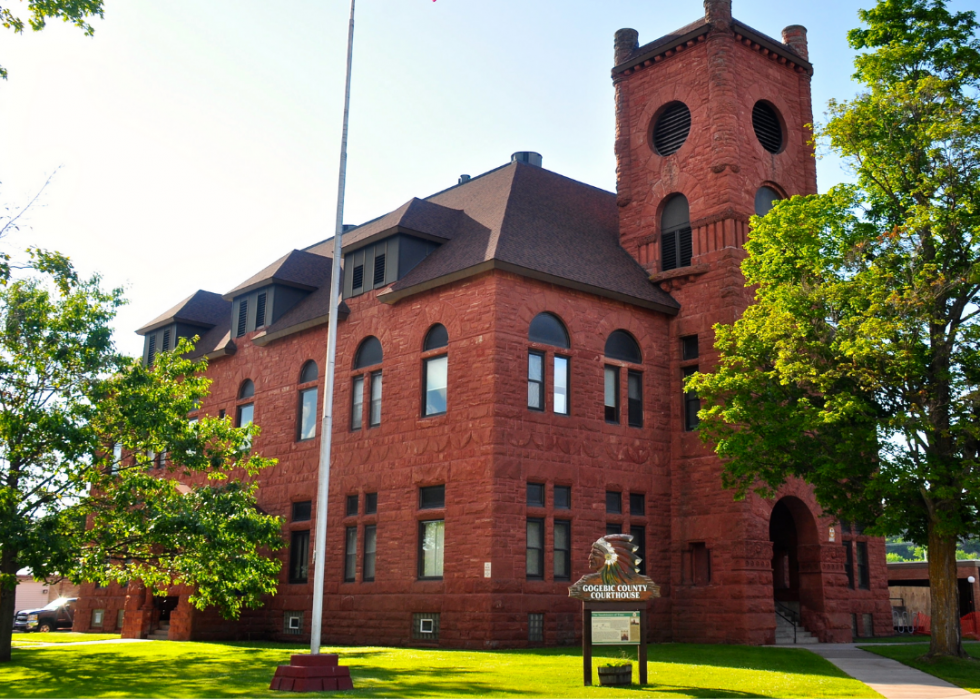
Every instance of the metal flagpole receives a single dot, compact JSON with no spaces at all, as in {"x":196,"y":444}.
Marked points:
{"x":326,"y":427}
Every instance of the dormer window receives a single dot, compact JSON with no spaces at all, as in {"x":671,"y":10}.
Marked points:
{"x":383,"y":262}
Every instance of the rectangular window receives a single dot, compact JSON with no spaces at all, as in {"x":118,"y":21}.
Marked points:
{"x":370,"y":503}
{"x":640,"y":542}
{"x":689,"y":347}
{"x":260,"y":311}
{"x":379,"y":269}
{"x":117,"y":451}
{"x":638,"y":505}
{"x":535,"y":628}
{"x":302,"y":511}
{"x":611,"y":394}
{"x":97,"y":616}
{"x":151,"y":349}
{"x":432,"y":497}
{"x":425,"y":627}
{"x":299,"y":556}
{"x":849,"y":563}
{"x":867,"y":621}
{"x":375,"y":399}
{"x":166,"y":340}
{"x":563,"y":550}
{"x":535,"y":380}
{"x":242,"y":318}
{"x":634,"y":390}
{"x":357,"y":403}
{"x":370,"y":551}
{"x":614,"y":502}
{"x":292,"y":623}
{"x":701,"y":562}
{"x":561,"y":385}
{"x":358,"y":282}
{"x":244,"y":415}
{"x":613,"y":528}
{"x":861,"y":563}
{"x":351,"y":510}
{"x":432,"y":536}
{"x":307,"y":413}
{"x":436,"y":379}
{"x":350,"y":555}
{"x":692,"y":404}
{"x":535,"y":549}
{"x":563,"y":497}
{"x":535,"y":494}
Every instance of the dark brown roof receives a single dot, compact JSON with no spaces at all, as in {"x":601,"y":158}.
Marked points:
{"x":416,"y":216}
{"x":300,"y":269}
{"x":539,"y":224}
{"x":216,"y":342}
{"x":203,"y":308}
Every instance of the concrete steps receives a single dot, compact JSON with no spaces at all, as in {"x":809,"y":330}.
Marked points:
{"x":162,"y":633}
{"x":784,"y":634}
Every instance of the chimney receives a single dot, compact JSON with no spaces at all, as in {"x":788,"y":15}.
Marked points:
{"x":527,"y":157}
{"x":718,"y":13}
{"x":794,"y":36}
{"x":626,"y":42}
{"x":463,"y":178}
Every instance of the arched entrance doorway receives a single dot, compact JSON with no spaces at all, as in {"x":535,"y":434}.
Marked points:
{"x":797,"y":577}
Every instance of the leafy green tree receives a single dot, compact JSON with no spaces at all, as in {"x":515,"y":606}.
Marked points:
{"x":858,"y":368}
{"x":102,"y":475}
{"x":39,"y":12}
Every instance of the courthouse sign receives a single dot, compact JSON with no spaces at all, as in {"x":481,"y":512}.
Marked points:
{"x":615,"y":578}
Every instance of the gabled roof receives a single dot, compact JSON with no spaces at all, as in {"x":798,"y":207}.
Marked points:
{"x":539,"y":224}
{"x":299,"y":269}
{"x":203,"y":308}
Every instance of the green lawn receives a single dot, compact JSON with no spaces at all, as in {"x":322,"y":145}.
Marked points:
{"x":961,"y":672}
{"x":168,"y":669}
{"x":32,"y":639}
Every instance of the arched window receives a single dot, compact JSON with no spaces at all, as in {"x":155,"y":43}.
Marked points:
{"x":622,"y":346}
{"x":547,"y":329}
{"x":245,"y":411}
{"x":765,"y":123}
{"x":307,"y":414}
{"x":435,"y":371}
{"x":765,"y":199}
{"x":309,"y":372}
{"x":675,"y":234}
{"x":369,"y":354}
{"x":437,"y":337}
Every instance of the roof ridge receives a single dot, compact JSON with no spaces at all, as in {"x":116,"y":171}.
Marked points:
{"x":494,"y":242}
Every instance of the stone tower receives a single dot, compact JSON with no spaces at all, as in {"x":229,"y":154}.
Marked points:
{"x":711,"y":127}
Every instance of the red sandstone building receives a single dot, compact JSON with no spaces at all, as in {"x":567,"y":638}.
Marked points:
{"x":509,"y":389}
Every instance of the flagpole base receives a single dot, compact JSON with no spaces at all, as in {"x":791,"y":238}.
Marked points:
{"x":312,"y":673}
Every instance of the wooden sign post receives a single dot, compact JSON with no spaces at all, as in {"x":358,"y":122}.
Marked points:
{"x":614,"y":586}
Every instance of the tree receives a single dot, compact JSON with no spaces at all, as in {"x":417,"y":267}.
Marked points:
{"x":858,"y":368}
{"x":102,"y":475}
{"x":40,"y":11}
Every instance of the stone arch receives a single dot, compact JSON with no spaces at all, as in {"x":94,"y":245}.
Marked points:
{"x":796,"y":558}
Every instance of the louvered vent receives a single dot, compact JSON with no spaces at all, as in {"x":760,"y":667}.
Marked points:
{"x":166,"y":340}
{"x":767,"y":128}
{"x":358,"y":282}
{"x":242,"y":318}
{"x":152,"y":350}
{"x":676,"y":248}
{"x":672,"y":128}
{"x":260,"y":311}
{"x":379,"y":269}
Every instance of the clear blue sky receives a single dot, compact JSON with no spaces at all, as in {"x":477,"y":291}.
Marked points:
{"x":198,"y":141}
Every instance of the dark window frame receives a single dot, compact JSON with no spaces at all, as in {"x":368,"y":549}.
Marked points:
{"x":567,"y":551}
{"x":299,"y":556}
{"x":376,"y":378}
{"x":425,"y":384}
{"x":421,"y":549}
{"x":565,"y":489}
{"x":634,"y":406}
{"x":355,"y":500}
{"x":350,"y":554}
{"x":536,"y":551}
{"x":357,"y":406}
{"x":862,"y":569}
{"x":371,"y":503}
{"x":618,"y":500}
{"x":369,"y":562}
{"x":535,"y":486}
{"x":638,"y":505}
{"x":613,"y":417}
{"x":297,"y":511}
{"x":568,"y":384}
{"x":539,"y":382}
{"x":692,"y":402}
{"x":302,"y":393}
{"x":433,"y":489}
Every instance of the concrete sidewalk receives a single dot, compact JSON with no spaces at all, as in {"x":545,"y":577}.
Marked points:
{"x":888,"y":677}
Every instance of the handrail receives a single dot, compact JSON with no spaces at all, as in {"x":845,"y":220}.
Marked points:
{"x":789,"y":615}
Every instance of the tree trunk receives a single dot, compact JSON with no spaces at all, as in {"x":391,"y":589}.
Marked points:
{"x":8,"y":567}
{"x":945,"y":595}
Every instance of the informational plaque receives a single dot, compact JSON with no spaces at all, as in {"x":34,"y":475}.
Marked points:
{"x":615,"y":628}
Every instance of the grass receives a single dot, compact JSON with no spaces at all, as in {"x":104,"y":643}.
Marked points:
{"x":26,"y":640}
{"x":962,"y":672}
{"x":170,"y":669}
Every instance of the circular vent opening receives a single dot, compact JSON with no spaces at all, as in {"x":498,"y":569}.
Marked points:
{"x":672,"y":127}
{"x":765,"y":121}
